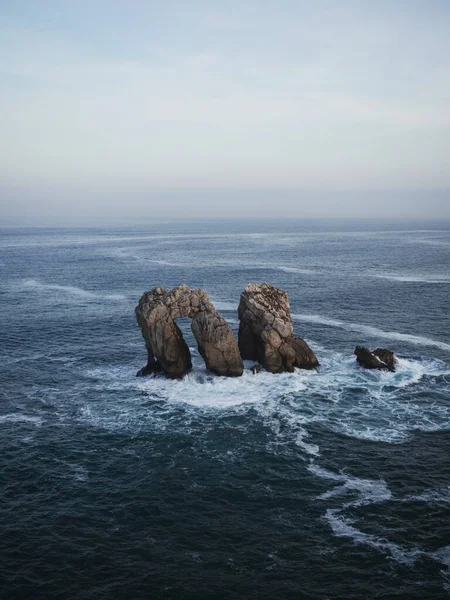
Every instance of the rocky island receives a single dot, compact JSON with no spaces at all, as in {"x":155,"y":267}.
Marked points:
{"x":266,"y":334}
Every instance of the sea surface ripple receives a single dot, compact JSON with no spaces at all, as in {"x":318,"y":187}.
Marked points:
{"x":326,"y":484}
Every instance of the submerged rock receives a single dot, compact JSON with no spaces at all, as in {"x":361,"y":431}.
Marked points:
{"x":266,"y":333}
{"x":167,"y":351}
{"x":381,"y":358}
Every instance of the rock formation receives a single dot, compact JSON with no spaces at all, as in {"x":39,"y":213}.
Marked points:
{"x":167,"y":351}
{"x":266,"y":333}
{"x":378,"y":359}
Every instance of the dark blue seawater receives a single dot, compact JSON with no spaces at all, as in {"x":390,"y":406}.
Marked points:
{"x":328,"y":484}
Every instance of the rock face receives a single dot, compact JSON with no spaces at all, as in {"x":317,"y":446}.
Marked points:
{"x":378,"y":359}
{"x":167,"y":351}
{"x":266,"y":333}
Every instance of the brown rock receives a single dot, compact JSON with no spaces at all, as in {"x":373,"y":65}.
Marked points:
{"x":156,"y":313}
{"x":304,"y":356}
{"x":266,"y":333}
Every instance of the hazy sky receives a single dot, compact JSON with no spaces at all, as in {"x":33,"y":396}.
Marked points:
{"x":317,"y":108}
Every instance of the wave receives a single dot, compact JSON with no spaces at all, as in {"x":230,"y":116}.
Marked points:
{"x":431,"y":496}
{"x":267,"y":267}
{"x":372,"y":331}
{"x":20,"y":418}
{"x":369,"y":490}
{"x":125,"y":254}
{"x":372,"y":491}
{"x":343,"y":527}
{"x":415,"y":278}
{"x":70,"y":290}
{"x":344,"y":398}
{"x":430,"y":242}
{"x":73,"y":470}
{"x":293,"y":270}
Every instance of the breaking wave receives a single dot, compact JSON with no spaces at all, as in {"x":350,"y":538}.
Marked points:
{"x":367,"y":405}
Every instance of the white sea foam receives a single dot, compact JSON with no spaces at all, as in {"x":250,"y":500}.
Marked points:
{"x":430,"y":241}
{"x":343,"y":527}
{"x":224,"y":305}
{"x":201,"y":389}
{"x":294,"y":270}
{"x":372,"y":331}
{"x":345,"y":398}
{"x":442,"y":555}
{"x":20,"y":418}
{"x":69,"y":290}
{"x":311,"y":449}
{"x":74,"y":470}
{"x":369,"y":490}
{"x":441,"y":495}
{"x":128,"y":254}
{"x":415,"y":278}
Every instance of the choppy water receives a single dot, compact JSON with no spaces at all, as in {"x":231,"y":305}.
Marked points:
{"x":328,"y":484}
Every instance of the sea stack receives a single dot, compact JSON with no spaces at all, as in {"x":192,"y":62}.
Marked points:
{"x":266,"y":333}
{"x":167,"y":351}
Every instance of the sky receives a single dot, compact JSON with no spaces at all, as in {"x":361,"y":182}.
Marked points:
{"x":132,"y":109}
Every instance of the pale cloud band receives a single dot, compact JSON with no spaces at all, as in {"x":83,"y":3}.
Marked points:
{"x":125,"y":96}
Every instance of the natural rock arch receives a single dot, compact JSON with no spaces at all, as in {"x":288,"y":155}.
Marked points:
{"x":166,"y":348}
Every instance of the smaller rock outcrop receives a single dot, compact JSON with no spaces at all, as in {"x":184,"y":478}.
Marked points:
{"x":266,"y":333}
{"x":381,"y":358}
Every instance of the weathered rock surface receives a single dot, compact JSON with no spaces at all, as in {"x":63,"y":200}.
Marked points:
{"x":266,"y":333}
{"x":381,"y":358}
{"x":167,"y":351}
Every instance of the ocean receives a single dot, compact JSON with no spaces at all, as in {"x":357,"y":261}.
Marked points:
{"x":326,"y":484}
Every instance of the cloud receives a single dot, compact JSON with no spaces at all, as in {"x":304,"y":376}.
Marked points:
{"x":339,"y":96}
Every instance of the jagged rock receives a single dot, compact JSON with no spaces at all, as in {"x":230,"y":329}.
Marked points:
{"x":156,"y":313}
{"x":151,"y":368}
{"x":381,"y":358}
{"x":266,"y":333}
{"x":304,"y":356}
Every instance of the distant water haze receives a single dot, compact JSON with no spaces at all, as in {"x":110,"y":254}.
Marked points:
{"x":136,"y":110}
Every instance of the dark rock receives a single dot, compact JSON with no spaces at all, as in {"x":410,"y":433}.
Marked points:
{"x":256,"y":368}
{"x":156,"y":313}
{"x":266,"y":333}
{"x":381,"y":358}
{"x":304,"y":356}
{"x":151,"y":368}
